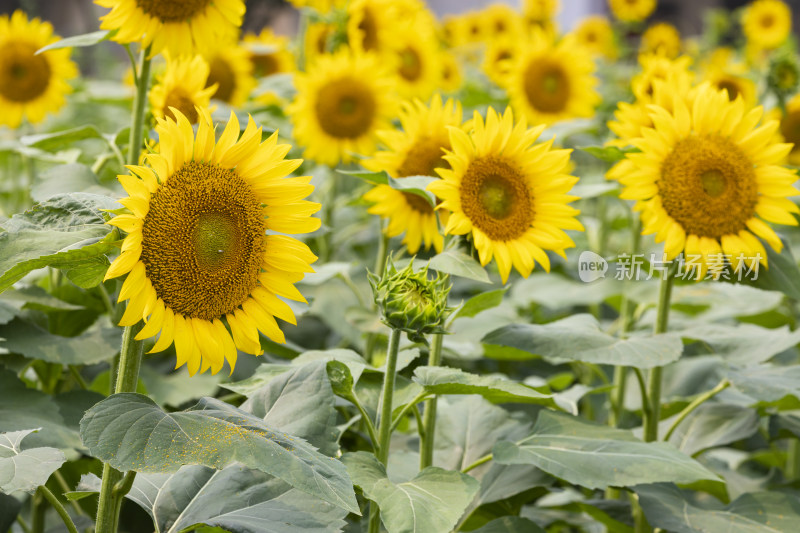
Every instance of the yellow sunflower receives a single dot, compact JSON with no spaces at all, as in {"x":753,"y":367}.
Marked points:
{"x":551,"y":81}
{"x":316,"y":40}
{"x":540,"y":9}
{"x":31,"y":85}
{"x":708,"y":178}
{"x":729,"y":75}
{"x":178,"y":26}
{"x":632,"y":10}
{"x":790,"y":128}
{"x":450,"y":81}
{"x":342,"y":101}
{"x":596,"y":35}
{"x":372,"y":25}
{"x":501,"y":21}
{"x":767,"y":23}
{"x":416,"y":150}
{"x":499,"y":57}
{"x":658,"y":67}
{"x":232,"y":72}
{"x":182,"y":86}
{"x":197,"y":255}
{"x":416,"y":62}
{"x":510,"y":194}
{"x":662,"y":39}
{"x":269,"y":53}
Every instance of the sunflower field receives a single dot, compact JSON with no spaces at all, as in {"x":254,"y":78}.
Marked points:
{"x":383,"y":270}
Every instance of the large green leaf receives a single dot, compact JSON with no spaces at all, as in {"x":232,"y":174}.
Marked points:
{"x":62,"y":179}
{"x":98,"y":344}
{"x":609,"y":154}
{"x":300,"y":402}
{"x":431,"y":502}
{"x":714,"y":425}
{"x":665,"y":506}
{"x":510,"y":524}
{"x":767,"y":383}
{"x":79,"y":41}
{"x":480,"y":302}
{"x":9,"y":510}
{"x":782,"y":275}
{"x":130,"y":432}
{"x":63,"y":231}
{"x":579,"y":338}
{"x":459,"y":264}
{"x":25,"y":469}
{"x":598,"y":457}
{"x":236,"y":498}
{"x":743,"y":344}
{"x":446,"y":380}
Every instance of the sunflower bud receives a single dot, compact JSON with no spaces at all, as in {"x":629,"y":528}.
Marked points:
{"x":784,"y":76}
{"x":410,"y":302}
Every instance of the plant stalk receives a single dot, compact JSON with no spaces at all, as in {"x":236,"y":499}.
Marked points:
{"x":700,"y":400}
{"x":50,"y":497}
{"x":655,"y":377}
{"x":429,"y":417}
{"x":137,"y":117}
{"x":385,"y":420}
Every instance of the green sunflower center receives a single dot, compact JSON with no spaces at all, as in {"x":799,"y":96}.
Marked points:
{"x":708,"y":185}
{"x":172,"y":10}
{"x":23,"y":76}
{"x":221,"y":73}
{"x":547,"y":86}
{"x":345,"y":108}
{"x":410,"y":64}
{"x":180,"y":100}
{"x":422,"y":159}
{"x":495,"y":196}
{"x":203,"y":241}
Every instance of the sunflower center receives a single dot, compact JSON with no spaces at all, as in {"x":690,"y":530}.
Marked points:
{"x":264,"y":65}
{"x":790,"y":128}
{"x":546,"y":86}
{"x":180,"y":100}
{"x":496,"y":198}
{"x":23,"y":76}
{"x":172,"y":10}
{"x":203,"y":241}
{"x":410,"y":64}
{"x":708,"y":185}
{"x":730,"y":86}
{"x":421,"y":160}
{"x":345,"y":108}
{"x":221,"y":73}
{"x":767,"y":20}
{"x":369,"y":30}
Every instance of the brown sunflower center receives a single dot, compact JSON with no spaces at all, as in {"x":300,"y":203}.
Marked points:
{"x":203,"y":241}
{"x":172,"y":10}
{"x":221,"y":73}
{"x":265,"y":65}
{"x":410,"y":64}
{"x":731,"y":86}
{"x":369,"y":30}
{"x":767,"y":20}
{"x":183,"y":102}
{"x":496,"y":198}
{"x":546,"y":86}
{"x":345,"y":108}
{"x":23,"y":76}
{"x":421,"y":160}
{"x":708,"y":185}
{"x":790,"y":128}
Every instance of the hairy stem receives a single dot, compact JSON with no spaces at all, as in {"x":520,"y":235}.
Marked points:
{"x":50,"y":497}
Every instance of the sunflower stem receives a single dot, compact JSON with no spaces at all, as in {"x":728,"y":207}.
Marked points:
{"x":697,"y":402}
{"x":50,"y":497}
{"x":654,"y":379}
{"x":137,"y":117}
{"x":385,"y":420}
{"x":429,"y":420}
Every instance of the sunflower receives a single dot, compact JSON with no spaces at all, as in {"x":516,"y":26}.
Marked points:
{"x":540,"y":9}
{"x":417,"y":150}
{"x":658,"y":67}
{"x":372,"y":25}
{"x":178,"y":26}
{"x":501,"y":21}
{"x":728,"y":75}
{"x":632,"y":10}
{"x":499,"y":57}
{"x":596,"y":35}
{"x":197,"y":254}
{"x":341,"y":103}
{"x":707,"y":178}
{"x":662,"y":39}
{"x":316,"y":40}
{"x":31,"y":85}
{"x":551,"y":81}
{"x":790,"y":128}
{"x":450,"y":81}
{"x":416,"y":62}
{"x":508,"y":193}
{"x":269,"y":53}
{"x":767,"y":23}
{"x":182,"y":86}
{"x":232,"y":72}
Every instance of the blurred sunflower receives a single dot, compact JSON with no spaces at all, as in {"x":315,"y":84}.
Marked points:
{"x":182,"y":85}
{"x":178,"y":26}
{"x":596,"y":35}
{"x":197,"y":254}
{"x":316,"y":40}
{"x":510,"y":194}
{"x":767,"y":23}
{"x":31,"y":85}
{"x":790,"y":128}
{"x":341,"y":102}
{"x":372,"y":25}
{"x":450,"y":81}
{"x":707,"y":176}
{"x":658,"y":67}
{"x":540,"y":14}
{"x":269,"y":53}
{"x":416,"y":150}
{"x":499,"y":57}
{"x":662,"y":39}
{"x":232,"y":72}
{"x":728,"y":75}
{"x":416,"y":62}
{"x":551,"y":81}
{"x":632,"y":10}
{"x":501,"y":21}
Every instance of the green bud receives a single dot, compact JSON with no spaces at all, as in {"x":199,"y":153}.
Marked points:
{"x":784,"y":75}
{"x":409,"y":301}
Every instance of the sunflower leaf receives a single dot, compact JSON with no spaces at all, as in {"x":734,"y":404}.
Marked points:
{"x":609,"y":154}
{"x":459,"y":264}
{"x":79,"y":41}
{"x":130,"y":432}
{"x":25,"y":469}
{"x":410,"y":184}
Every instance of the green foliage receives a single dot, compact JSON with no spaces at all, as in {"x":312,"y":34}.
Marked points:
{"x":24,"y":470}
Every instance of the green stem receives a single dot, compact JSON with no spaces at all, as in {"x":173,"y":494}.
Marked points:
{"x":367,"y":422}
{"x":50,"y":497}
{"x":792,"y":470}
{"x":408,"y":407}
{"x":38,"y":513}
{"x":65,"y":488}
{"x":483,"y":460}
{"x":137,"y":117}
{"x":429,"y":420}
{"x":23,"y":524}
{"x":356,"y":291}
{"x":697,"y":402}
{"x":380,"y":265}
{"x":655,"y":377}
{"x":385,"y":420}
